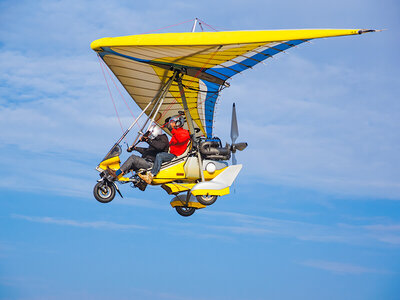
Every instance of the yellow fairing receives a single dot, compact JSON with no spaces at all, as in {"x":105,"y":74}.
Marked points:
{"x":176,"y":188}
{"x":222,"y":192}
{"x":122,"y":178}
{"x":190,"y":204}
{"x":112,"y":163}
{"x":175,"y":172}
{"x":208,"y":176}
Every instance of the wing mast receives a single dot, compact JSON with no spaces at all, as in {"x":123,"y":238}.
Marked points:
{"x":194,"y":25}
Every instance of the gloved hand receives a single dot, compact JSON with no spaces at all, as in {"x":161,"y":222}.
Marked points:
{"x":130,"y":149}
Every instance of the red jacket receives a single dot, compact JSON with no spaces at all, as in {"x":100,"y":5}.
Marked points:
{"x":179,"y":141}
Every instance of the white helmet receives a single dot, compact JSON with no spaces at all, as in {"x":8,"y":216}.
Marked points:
{"x":154,"y":131}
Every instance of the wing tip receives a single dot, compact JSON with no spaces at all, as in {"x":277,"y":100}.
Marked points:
{"x":361,"y":31}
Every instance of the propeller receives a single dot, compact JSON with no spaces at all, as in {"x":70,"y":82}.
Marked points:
{"x":235,"y":135}
{"x":234,"y":125}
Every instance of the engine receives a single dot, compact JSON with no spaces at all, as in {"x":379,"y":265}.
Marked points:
{"x":213,"y":150}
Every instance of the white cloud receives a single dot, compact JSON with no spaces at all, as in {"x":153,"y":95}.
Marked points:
{"x":383,"y":228}
{"x":340,"y":268}
{"x":229,"y":225}
{"x":387,"y":233}
{"x":83,"y":224}
{"x":243,"y":224}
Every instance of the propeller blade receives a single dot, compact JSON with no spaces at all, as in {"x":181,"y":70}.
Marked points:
{"x":240,"y":146}
{"x":234,"y":125}
{"x":234,"y":161}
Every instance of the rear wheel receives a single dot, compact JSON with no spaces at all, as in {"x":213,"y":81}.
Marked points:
{"x":104,"y":192}
{"x":185,"y":211}
{"x":206,"y":199}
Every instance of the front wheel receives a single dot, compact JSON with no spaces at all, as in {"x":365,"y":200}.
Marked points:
{"x":206,"y":199}
{"x":104,"y":192}
{"x":185,"y":211}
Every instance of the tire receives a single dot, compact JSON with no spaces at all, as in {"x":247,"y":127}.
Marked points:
{"x":206,"y":199}
{"x":104,"y":192}
{"x":185,"y":211}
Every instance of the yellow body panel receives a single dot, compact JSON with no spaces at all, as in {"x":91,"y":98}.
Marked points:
{"x":218,"y":38}
{"x":112,"y":163}
{"x":222,"y":192}
{"x":177,"y":188}
{"x":122,"y":178}
{"x":170,"y":174}
{"x":175,"y":172}
{"x":190,"y":204}
{"x":208,"y":176}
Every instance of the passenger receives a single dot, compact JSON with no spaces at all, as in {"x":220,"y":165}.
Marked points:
{"x":177,"y":146}
{"x":158,"y":142}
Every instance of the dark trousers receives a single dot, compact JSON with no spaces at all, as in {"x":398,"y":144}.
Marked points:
{"x":160,"y":158}
{"x":135,"y":163}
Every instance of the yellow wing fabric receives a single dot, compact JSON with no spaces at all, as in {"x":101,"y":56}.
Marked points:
{"x":143,"y":63}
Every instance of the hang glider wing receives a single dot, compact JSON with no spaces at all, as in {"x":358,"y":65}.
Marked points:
{"x":143,"y":63}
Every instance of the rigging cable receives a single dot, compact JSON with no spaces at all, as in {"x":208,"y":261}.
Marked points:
{"x":116,"y":86}
{"x":112,"y":98}
{"x":207,"y":25}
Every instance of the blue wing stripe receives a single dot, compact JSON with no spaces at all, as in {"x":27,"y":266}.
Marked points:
{"x":224,"y":73}
{"x":211,"y":98}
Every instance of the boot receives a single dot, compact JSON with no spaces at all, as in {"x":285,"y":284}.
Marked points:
{"x":148,"y":177}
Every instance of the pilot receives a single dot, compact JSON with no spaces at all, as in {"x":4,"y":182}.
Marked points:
{"x":158,"y":142}
{"x":177,"y":146}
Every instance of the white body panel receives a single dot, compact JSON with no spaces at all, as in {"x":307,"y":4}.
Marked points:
{"x":222,"y":181}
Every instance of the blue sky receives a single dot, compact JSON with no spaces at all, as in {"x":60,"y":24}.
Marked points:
{"x":314,"y":213}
